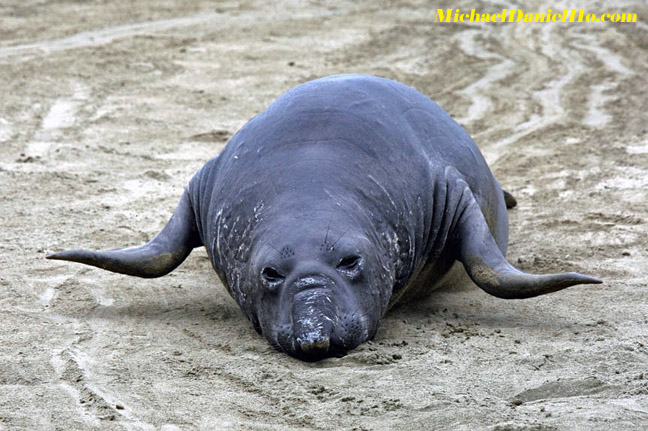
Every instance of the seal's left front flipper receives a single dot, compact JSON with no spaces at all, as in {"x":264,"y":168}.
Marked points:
{"x":489,"y":269}
{"x":509,"y":200}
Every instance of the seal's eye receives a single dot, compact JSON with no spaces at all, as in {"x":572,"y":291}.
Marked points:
{"x":349,"y":263}
{"x":271,"y":275}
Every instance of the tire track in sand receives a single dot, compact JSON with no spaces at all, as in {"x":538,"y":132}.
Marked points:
{"x":24,"y":52}
{"x":568,"y":51}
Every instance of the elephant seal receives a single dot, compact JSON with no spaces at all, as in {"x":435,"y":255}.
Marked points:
{"x":346,"y":194}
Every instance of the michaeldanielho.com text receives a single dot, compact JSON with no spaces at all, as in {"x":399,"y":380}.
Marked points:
{"x":517,"y":15}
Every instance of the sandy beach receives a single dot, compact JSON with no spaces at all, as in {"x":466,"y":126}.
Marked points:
{"x":108,"y":108}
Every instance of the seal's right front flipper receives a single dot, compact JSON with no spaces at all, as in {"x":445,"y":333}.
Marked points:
{"x":489,"y":269}
{"x":156,"y":258}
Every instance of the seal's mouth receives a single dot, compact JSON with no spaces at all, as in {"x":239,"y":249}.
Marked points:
{"x":314,"y":355}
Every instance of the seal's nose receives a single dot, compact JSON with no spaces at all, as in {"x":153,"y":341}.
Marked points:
{"x":317,"y":346}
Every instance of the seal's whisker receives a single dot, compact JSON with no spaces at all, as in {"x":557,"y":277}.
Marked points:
{"x":336,"y":241}
{"x":353,"y":313}
{"x":327,"y":228}
{"x":273,"y":247}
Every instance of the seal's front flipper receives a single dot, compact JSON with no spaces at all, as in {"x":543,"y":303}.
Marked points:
{"x":490,"y":270}
{"x":156,"y":258}
{"x":509,"y":200}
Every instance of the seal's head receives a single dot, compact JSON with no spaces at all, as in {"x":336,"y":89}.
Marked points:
{"x":318,"y":288}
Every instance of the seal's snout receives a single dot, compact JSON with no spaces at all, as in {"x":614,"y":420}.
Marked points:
{"x":315,"y":347}
{"x":320,"y":318}
{"x":314,"y":316}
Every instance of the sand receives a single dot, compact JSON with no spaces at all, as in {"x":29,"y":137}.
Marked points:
{"x":108,"y":108}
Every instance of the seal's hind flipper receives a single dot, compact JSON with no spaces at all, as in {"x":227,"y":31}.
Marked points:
{"x":489,"y":269}
{"x":156,"y":258}
{"x":509,"y":199}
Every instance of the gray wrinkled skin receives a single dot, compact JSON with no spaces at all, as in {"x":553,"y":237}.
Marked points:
{"x":347,"y":194}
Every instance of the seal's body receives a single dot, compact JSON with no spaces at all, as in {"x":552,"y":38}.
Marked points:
{"x":347,"y":193}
